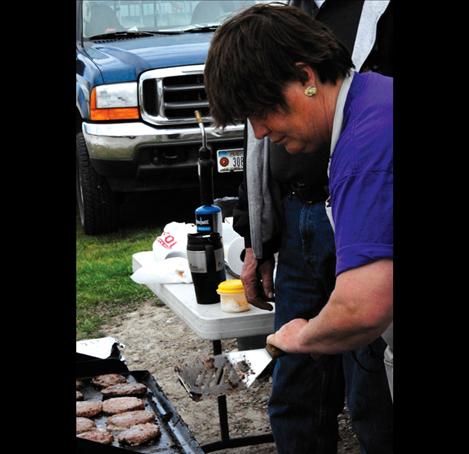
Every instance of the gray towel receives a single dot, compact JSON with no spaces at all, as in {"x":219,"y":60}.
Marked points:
{"x":259,"y":196}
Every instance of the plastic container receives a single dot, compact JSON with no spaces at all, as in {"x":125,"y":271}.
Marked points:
{"x":232,"y":296}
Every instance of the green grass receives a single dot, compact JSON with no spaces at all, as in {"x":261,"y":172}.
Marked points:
{"x":104,"y":286}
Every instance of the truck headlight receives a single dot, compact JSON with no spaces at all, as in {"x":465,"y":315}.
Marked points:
{"x":114,"y":102}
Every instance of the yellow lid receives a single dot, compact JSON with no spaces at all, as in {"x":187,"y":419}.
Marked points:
{"x":231,"y":286}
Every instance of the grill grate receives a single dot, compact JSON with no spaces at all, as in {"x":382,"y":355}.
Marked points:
{"x":175,"y":435}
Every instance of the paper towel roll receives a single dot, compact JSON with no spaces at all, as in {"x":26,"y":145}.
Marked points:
{"x":233,"y":252}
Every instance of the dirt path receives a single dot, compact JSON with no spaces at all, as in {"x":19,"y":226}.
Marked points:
{"x":156,"y":340}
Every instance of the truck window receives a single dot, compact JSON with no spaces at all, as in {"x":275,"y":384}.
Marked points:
{"x":108,"y":16}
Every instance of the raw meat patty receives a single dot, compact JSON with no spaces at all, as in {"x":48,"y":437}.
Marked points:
{"x":85,"y":424}
{"x":124,"y":389}
{"x":103,"y":381}
{"x":139,"y":434}
{"x":89,"y":408}
{"x":122,"y":404}
{"x":128,"y":419}
{"x":99,"y":435}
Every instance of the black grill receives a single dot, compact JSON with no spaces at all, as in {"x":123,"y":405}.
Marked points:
{"x":195,"y":79}
{"x":150,"y":96}
{"x":184,"y":94}
{"x":175,"y":435}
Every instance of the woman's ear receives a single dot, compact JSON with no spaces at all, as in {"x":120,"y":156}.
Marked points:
{"x":309,"y":74}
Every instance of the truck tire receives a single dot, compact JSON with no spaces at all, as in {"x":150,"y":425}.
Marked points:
{"x":97,"y":204}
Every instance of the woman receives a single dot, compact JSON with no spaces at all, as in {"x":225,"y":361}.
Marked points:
{"x":294,"y":81}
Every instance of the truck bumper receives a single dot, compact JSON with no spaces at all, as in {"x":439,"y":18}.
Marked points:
{"x":137,"y":157}
{"x":121,"y":141}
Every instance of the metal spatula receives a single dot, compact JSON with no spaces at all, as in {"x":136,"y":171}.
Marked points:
{"x":221,"y":374}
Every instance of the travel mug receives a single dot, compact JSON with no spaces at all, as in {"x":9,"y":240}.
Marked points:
{"x":207,"y":265}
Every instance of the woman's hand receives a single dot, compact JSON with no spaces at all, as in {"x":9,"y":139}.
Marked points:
{"x":287,"y":337}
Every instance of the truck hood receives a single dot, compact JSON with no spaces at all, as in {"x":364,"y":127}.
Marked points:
{"x":125,"y":59}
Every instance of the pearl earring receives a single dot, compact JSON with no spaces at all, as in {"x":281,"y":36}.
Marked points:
{"x":310,"y":91}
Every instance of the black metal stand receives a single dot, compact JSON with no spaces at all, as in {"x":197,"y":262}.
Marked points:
{"x":227,"y":442}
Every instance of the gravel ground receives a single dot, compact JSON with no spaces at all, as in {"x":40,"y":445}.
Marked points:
{"x":156,"y":340}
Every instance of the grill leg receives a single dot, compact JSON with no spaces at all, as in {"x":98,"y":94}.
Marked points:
{"x":227,"y":442}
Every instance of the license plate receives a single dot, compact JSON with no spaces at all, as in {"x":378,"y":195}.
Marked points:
{"x":230,"y":160}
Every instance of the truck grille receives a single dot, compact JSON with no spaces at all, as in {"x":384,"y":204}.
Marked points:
{"x":170,"y":96}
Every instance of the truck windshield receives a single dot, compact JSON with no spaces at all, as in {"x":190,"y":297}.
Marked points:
{"x":111,"y":16}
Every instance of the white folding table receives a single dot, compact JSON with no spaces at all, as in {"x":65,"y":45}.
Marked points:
{"x":209,"y":322}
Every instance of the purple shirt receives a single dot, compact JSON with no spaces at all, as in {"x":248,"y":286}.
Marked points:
{"x":361,"y":174}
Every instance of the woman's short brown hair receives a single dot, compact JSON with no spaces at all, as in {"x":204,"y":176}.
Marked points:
{"x":255,"y":53}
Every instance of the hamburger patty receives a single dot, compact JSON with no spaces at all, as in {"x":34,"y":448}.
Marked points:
{"x":124,"y":389}
{"x":122,"y":404}
{"x":85,"y":424}
{"x":89,"y":408}
{"x":79,"y":395}
{"x":129,"y":419}
{"x":139,"y":434}
{"x":105,"y":380}
{"x":98,"y":435}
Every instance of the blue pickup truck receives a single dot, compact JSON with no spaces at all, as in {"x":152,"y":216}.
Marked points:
{"x":139,"y":79}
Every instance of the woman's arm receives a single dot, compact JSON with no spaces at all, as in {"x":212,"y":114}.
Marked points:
{"x":358,"y":311}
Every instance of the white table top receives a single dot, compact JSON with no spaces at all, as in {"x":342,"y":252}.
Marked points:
{"x":208,"y":321}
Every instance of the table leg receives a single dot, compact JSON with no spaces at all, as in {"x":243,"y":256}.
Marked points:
{"x":222,"y":409}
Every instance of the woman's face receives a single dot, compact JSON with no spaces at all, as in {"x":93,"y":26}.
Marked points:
{"x":304,"y":128}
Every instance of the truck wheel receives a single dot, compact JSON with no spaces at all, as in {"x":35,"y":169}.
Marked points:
{"x":97,"y":204}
